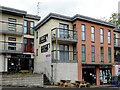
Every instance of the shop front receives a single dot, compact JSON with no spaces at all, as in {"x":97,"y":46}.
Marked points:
{"x":95,"y":74}
{"x":20,"y":62}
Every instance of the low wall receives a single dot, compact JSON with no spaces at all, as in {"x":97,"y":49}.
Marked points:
{"x":35,"y":80}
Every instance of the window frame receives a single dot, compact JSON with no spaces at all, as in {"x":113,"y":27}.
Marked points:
{"x":11,"y":39}
{"x":102,"y":35}
{"x":109,"y":54}
{"x":26,"y":27}
{"x":12,"y":20}
{"x":83,"y":52}
{"x":109,"y":37}
{"x":31,"y":28}
{"x":102,"y":54}
{"x":92,"y":33}
{"x":83,"y":31}
{"x":92,"y":52}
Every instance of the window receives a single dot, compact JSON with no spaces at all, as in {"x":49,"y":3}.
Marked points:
{"x":64,"y":54}
{"x":63,"y":30}
{"x":93,"y":53}
{"x":11,"y":43}
{"x":109,"y":54}
{"x":74,"y":31}
{"x":109,"y":37}
{"x":101,"y":35}
{"x":36,"y":52}
{"x":12,"y":29}
{"x":31,"y":45}
{"x":83,"y":52}
{"x":74,"y":53}
{"x":25,"y":27}
{"x":12,"y":20}
{"x":11,"y":48}
{"x":31,"y":28}
{"x":36,"y":35}
{"x":102,"y":54}
{"x":114,"y":39}
{"x":25,"y":44}
{"x":11,"y":24}
{"x":83,"y":32}
{"x":92,"y":34}
{"x":11,"y":39}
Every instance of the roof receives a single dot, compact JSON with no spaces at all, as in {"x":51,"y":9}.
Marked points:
{"x":16,"y":12}
{"x":71,"y":19}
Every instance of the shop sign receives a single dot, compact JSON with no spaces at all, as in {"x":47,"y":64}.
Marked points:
{"x":43,"y":39}
{"x":45,"y":48}
{"x":106,"y":66}
{"x":89,"y":67}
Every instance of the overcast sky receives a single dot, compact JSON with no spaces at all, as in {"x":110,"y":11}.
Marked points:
{"x":92,"y":8}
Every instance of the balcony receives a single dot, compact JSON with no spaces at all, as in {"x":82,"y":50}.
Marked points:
{"x":117,"y":42}
{"x":11,"y":28}
{"x":59,"y":56}
{"x":11,"y":47}
{"x":64,"y":35}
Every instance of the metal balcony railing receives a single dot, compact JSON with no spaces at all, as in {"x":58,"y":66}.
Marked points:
{"x":61,"y":56}
{"x":11,"y":47}
{"x":64,"y":34}
{"x":117,"y":42}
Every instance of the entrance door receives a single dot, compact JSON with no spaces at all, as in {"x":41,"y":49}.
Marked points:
{"x":64,"y":54}
{"x":89,"y":75}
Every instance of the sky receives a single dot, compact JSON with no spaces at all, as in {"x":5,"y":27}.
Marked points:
{"x":99,"y":9}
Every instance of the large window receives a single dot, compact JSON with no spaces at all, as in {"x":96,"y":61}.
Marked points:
{"x":109,"y":37}
{"x":92,"y":34}
{"x":25,"y":27}
{"x":31,"y":28}
{"x":83,"y":32}
{"x":83,"y":52}
{"x":109,"y":54}
{"x":93,"y":53}
{"x":64,"y":52}
{"x":101,"y":36}
{"x":102,"y":54}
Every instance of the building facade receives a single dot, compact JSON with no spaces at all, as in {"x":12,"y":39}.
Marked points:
{"x":74,"y":48}
{"x":16,"y":39}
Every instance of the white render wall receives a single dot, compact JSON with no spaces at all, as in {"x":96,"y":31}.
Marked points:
{"x":3,"y":63}
{"x":66,"y":71}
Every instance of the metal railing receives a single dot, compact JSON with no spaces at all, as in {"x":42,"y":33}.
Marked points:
{"x":117,"y":42}
{"x":64,"y":56}
{"x":64,"y":34}
{"x":11,"y":47}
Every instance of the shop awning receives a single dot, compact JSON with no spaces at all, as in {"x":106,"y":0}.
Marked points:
{"x":97,"y":64}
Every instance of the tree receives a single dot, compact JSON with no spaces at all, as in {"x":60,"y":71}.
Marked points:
{"x":115,"y":18}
